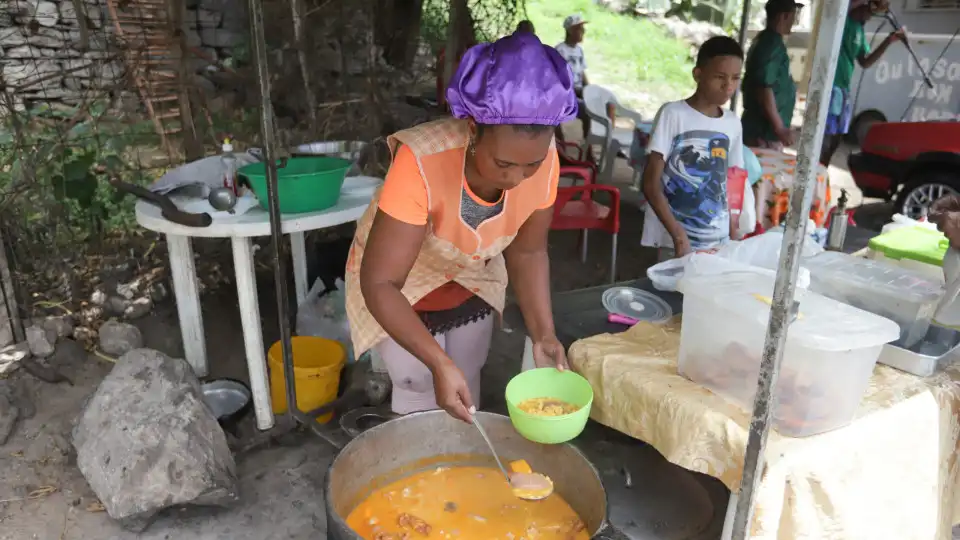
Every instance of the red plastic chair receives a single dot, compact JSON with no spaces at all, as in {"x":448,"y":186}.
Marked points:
{"x":575,"y":209}
{"x":566,"y":160}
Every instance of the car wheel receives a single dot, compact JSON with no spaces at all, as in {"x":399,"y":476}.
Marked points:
{"x":862,"y":124}
{"x":915,"y":199}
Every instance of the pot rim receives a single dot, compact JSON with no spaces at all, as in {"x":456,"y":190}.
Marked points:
{"x":341,"y":521}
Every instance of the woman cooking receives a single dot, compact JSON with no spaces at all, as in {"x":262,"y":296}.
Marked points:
{"x":425,"y":271}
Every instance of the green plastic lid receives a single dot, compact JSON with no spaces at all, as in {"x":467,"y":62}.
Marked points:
{"x":912,"y":243}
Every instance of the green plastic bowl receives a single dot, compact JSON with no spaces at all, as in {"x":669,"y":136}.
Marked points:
{"x":304,"y":184}
{"x":549,"y":383}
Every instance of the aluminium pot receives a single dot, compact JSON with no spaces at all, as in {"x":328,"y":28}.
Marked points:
{"x":427,"y":440}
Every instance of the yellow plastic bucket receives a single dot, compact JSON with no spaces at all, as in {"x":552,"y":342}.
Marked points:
{"x":317,"y":363}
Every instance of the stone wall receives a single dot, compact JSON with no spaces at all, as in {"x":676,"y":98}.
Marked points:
{"x":42,"y":51}
{"x":45,"y":55}
{"x":218,"y":28}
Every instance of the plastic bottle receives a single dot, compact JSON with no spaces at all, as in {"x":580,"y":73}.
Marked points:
{"x":228,"y":167}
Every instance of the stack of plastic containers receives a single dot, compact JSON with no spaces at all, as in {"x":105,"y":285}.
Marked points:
{"x":904,"y":296}
{"x":831,"y":350}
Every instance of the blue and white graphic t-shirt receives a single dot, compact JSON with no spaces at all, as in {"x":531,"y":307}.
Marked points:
{"x":697,"y":151}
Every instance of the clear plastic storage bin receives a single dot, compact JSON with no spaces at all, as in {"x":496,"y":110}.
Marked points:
{"x":899,"y":294}
{"x":830,"y":352}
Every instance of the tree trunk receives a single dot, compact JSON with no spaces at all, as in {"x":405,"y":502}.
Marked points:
{"x":456,"y":37}
{"x":397,"y":30}
{"x":309,"y":95}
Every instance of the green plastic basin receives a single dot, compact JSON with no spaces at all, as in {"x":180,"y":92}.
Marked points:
{"x":304,"y":184}
{"x":549,"y":383}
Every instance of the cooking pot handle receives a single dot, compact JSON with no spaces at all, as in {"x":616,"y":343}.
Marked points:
{"x":609,"y":532}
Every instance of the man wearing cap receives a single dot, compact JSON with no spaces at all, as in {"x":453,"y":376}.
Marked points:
{"x":572,"y":52}
{"x":853,"y":48}
{"x":769,"y":93}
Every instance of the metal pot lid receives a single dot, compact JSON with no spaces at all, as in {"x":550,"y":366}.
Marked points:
{"x":636,"y":304}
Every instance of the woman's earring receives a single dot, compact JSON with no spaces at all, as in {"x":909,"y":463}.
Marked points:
{"x":472,"y":148}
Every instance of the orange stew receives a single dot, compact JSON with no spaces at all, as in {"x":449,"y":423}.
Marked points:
{"x":461,"y":502}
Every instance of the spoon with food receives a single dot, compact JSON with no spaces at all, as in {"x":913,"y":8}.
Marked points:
{"x":529,"y":486}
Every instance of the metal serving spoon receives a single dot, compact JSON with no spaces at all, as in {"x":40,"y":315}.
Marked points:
{"x":527,"y":486}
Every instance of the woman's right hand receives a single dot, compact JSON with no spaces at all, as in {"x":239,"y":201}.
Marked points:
{"x":945,"y":213}
{"x":452,"y":392}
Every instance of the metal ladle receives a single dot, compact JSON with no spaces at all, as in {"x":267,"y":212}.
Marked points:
{"x":222,"y":199}
{"x":527,"y":486}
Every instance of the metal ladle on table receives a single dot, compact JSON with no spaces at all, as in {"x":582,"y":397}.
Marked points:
{"x":222,"y":199}
{"x":527,"y":486}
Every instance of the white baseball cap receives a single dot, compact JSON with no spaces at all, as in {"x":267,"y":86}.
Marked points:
{"x":573,"y":20}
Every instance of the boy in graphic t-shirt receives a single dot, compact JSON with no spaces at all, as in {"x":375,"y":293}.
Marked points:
{"x":693,"y":143}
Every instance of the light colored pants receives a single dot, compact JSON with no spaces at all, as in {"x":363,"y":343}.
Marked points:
{"x":467,"y":346}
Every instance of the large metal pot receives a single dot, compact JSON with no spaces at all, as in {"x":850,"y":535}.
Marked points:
{"x":429,"y":439}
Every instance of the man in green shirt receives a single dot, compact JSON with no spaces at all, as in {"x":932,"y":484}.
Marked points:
{"x":769,"y":93}
{"x":853,"y":48}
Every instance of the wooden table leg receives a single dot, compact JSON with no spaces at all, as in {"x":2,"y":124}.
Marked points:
{"x":298,"y":247}
{"x":252,"y":334}
{"x":187,"y":294}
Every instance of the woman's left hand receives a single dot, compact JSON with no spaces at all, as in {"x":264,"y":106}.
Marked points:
{"x":549,"y":352}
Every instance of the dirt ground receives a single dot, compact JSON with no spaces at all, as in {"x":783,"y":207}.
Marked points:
{"x":43,"y":496}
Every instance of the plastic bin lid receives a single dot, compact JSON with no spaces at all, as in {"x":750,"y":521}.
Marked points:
{"x":913,"y":243}
{"x":822,"y":324}
{"x":843,"y":270}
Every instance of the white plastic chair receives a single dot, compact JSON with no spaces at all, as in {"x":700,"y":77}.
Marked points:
{"x":595,"y":99}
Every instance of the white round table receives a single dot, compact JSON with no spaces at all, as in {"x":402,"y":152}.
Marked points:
{"x":240,"y":230}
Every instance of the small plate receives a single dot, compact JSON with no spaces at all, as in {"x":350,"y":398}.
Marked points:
{"x":636,"y":304}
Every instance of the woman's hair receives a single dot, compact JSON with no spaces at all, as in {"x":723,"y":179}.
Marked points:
{"x":530,"y":129}
{"x":516,"y":80}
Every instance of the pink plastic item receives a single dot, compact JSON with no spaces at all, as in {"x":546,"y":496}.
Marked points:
{"x":620,"y":319}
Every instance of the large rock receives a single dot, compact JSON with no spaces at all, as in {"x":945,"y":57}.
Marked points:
{"x":146,"y":441}
{"x":42,"y":342}
{"x":9,"y":413}
{"x":118,"y":338}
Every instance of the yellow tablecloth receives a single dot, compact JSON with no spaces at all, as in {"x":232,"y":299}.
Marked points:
{"x":890,"y":475}
{"x":774,"y":187}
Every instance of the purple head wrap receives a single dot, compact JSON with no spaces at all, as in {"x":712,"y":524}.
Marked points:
{"x":515,"y":80}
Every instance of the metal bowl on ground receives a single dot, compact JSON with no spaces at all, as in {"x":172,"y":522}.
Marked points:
{"x":426,"y":440}
{"x":228,"y":399}
{"x":351,"y":151}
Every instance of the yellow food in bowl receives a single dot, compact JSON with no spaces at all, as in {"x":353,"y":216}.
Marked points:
{"x":547,"y":407}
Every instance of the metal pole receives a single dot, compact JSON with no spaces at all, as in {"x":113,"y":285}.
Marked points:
{"x":742,"y":39}
{"x":331,"y":435}
{"x":811,"y":138}
{"x":268,"y":135}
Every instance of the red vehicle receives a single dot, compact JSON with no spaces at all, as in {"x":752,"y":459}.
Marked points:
{"x":911,"y":163}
